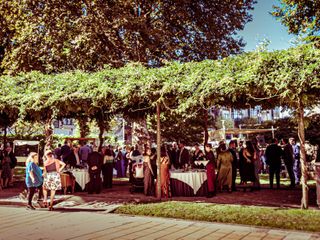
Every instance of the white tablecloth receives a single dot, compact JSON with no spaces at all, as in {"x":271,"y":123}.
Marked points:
{"x":193,"y":179}
{"x":82,"y":177}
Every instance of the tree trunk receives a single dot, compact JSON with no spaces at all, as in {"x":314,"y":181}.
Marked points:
{"x":83,"y":126}
{"x":205,"y":127}
{"x":158,"y":152}
{"x":303,"y":161}
{"x":101,"y":131}
{"x":48,"y":132}
{"x":5,"y":136}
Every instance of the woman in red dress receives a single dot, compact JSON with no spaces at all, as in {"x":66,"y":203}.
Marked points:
{"x":211,"y":174}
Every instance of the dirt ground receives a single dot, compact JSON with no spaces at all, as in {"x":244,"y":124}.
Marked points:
{"x":120,"y":194}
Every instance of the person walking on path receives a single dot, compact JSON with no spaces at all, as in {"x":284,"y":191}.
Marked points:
{"x":52,"y":180}
{"x":34,"y":178}
{"x":210,"y":167}
{"x":224,"y":163}
{"x":273,"y":159}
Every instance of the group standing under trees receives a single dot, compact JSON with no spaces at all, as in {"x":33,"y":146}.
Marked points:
{"x":232,"y":81}
{"x":287,"y":78}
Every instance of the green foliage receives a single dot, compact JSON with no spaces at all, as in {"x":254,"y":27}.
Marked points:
{"x":258,"y":78}
{"x":25,"y":130}
{"x":300,"y":17}
{"x":312,"y":131}
{"x":56,"y":36}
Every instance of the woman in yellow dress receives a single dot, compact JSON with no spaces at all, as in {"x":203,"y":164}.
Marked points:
{"x":224,"y":164}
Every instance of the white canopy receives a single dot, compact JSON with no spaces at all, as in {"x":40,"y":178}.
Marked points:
{"x":25,"y":142}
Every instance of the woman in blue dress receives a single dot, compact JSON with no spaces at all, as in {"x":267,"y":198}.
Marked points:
{"x":34,"y":177}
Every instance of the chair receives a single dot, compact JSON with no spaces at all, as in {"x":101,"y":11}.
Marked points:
{"x":67,"y":180}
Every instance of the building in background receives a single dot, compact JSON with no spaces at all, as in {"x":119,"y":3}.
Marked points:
{"x":256,"y":113}
{"x":65,"y":127}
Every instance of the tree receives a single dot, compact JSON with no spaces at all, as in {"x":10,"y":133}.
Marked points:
{"x":55,"y":36}
{"x":312,"y":131}
{"x":300,"y":17}
{"x":9,"y":106}
{"x":292,"y":77}
{"x":176,"y":127}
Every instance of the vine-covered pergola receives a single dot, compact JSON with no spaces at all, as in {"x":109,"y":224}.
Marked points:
{"x":288,"y":78}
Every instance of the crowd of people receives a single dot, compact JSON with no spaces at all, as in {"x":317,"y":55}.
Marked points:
{"x":222,"y":165}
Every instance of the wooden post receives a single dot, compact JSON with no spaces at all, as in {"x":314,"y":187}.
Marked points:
{"x":48,"y":134}
{"x":5,"y":137}
{"x":101,"y":131}
{"x":83,"y":126}
{"x":303,"y":159}
{"x":205,"y":127}
{"x":158,"y":152}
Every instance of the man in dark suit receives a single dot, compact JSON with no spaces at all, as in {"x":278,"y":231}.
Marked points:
{"x":173,"y":154}
{"x":57,"y":152}
{"x":65,"y":150}
{"x":288,"y":158}
{"x":273,"y":159}
{"x":296,"y":160}
{"x":95,"y":161}
{"x":183,"y":156}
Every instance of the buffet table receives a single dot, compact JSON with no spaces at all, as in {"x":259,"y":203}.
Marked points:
{"x":191,"y":183}
{"x":82,"y":177}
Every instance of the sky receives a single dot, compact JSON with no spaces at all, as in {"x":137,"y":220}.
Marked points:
{"x":265,"y":26}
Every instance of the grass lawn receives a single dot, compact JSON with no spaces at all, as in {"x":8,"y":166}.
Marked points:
{"x":295,"y":219}
{"x":264,"y":179}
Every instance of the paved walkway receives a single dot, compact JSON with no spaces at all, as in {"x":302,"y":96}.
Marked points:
{"x":19,"y":223}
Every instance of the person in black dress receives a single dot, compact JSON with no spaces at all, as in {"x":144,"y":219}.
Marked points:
{"x":248,"y":164}
{"x":233,"y":150}
{"x":107,"y":168}
{"x":95,"y":161}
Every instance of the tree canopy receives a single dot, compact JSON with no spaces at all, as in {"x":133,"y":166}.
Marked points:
{"x":267,"y":79}
{"x":57,"y":36}
{"x":300,"y":17}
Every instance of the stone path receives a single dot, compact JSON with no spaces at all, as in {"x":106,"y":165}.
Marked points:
{"x":19,"y":223}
